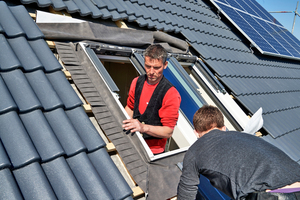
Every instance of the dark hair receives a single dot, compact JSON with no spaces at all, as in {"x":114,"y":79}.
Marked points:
{"x":208,"y":117}
{"x":156,"y":51}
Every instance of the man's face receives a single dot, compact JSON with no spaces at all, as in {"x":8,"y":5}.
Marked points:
{"x":154,"y":69}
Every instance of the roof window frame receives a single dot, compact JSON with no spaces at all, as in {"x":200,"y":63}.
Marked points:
{"x":110,"y":52}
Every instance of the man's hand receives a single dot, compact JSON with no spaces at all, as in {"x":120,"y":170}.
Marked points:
{"x":133,"y":125}
{"x":155,"y":131}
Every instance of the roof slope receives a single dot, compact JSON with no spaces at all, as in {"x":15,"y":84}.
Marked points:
{"x":49,"y":148}
{"x":109,"y":116}
{"x":253,"y":79}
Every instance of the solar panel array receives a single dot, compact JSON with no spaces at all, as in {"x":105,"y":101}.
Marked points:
{"x":260,"y":28}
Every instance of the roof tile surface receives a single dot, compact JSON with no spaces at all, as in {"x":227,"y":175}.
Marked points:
{"x":254,"y":79}
{"x":49,"y":148}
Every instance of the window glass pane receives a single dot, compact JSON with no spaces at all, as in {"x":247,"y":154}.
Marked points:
{"x":190,"y":101}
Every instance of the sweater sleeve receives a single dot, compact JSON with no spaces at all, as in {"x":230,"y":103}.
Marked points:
{"x":170,"y":106}
{"x":189,"y":180}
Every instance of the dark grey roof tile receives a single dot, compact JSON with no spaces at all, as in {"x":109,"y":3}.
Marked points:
{"x":284,"y":125}
{"x":33,"y":183}
{"x":128,"y":7}
{"x":65,"y":132}
{"x":28,"y":1}
{"x":58,"y":4}
{"x":109,"y":5}
{"x":9,"y":22}
{"x":8,"y":185}
{"x":84,"y":10}
{"x":178,"y":10}
{"x":44,"y":3}
{"x":115,"y":15}
{"x":8,"y":59}
{"x":162,"y":6}
{"x":44,"y":90}
{"x":119,"y":5}
{"x":150,"y":23}
{"x":93,"y":8}
{"x":16,"y":141}
{"x":159,"y":26}
{"x":88,"y":178}
{"x":6,"y":103}
{"x":4,"y":161}
{"x":271,"y":102}
{"x":42,"y":135}
{"x":20,"y":90}
{"x":100,"y":4}
{"x":206,"y":53}
{"x":131,"y":18}
{"x":148,"y":13}
{"x":62,"y":180}
{"x":137,"y":12}
{"x":45,"y":55}
{"x":275,"y":85}
{"x":25,"y":54}
{"x":168,"y":28}
{"x":124,"y":15}
{"x":141,"y":21}
{"x":71,"y":6}
{"x":106,"y":13}
{"x":64,"y":90}
{"x":26,"y":22}
{"x":86,"y":130}
{"x":110,"y":174}
{"x":287,"y":144}
{"x":31,"y":137}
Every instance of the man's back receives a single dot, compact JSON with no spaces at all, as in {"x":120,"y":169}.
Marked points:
{"x":237,"y":164}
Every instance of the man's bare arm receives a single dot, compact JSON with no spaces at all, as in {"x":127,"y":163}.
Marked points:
{"x":129,"y":111}
{"x":135,"y":125}
{"x":155,"y":131}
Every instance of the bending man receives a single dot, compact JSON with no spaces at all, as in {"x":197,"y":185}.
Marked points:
{"x":242,"y":166}
{"x":153,"y":102}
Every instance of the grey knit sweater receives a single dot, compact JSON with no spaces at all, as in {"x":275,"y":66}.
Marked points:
{"x":237,"y":164}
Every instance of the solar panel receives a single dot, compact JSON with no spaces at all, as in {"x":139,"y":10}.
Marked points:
{"x":260,"y":28}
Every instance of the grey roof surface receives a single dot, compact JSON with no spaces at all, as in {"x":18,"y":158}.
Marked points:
{"x":49,"y":148}
{"x":109,"y":116}
{"x":253,"y":79}
{"x":95,"y":92}
{"x":37,"y":150}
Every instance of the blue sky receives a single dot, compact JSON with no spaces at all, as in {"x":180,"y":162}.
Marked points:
{"x":286,"y":19}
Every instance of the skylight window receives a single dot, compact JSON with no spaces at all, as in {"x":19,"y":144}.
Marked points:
{"x":119,"y":69}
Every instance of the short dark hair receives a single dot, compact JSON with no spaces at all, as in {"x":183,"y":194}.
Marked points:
{"x":208,"y":117}
{"x":156,"y":51}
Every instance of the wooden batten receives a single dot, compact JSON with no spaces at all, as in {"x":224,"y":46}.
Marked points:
{"x":51,"y":44}
{"x":121,"y":24}
{"x":67,"y":74}
{"x":87,"y":108}
{"x":32,"y":15}
{"x":110,"y":147}
{"x":137,"y":191}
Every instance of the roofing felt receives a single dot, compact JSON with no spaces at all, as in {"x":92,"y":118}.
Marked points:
{"x":253,"y":79}
{"x":49,"y":148}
